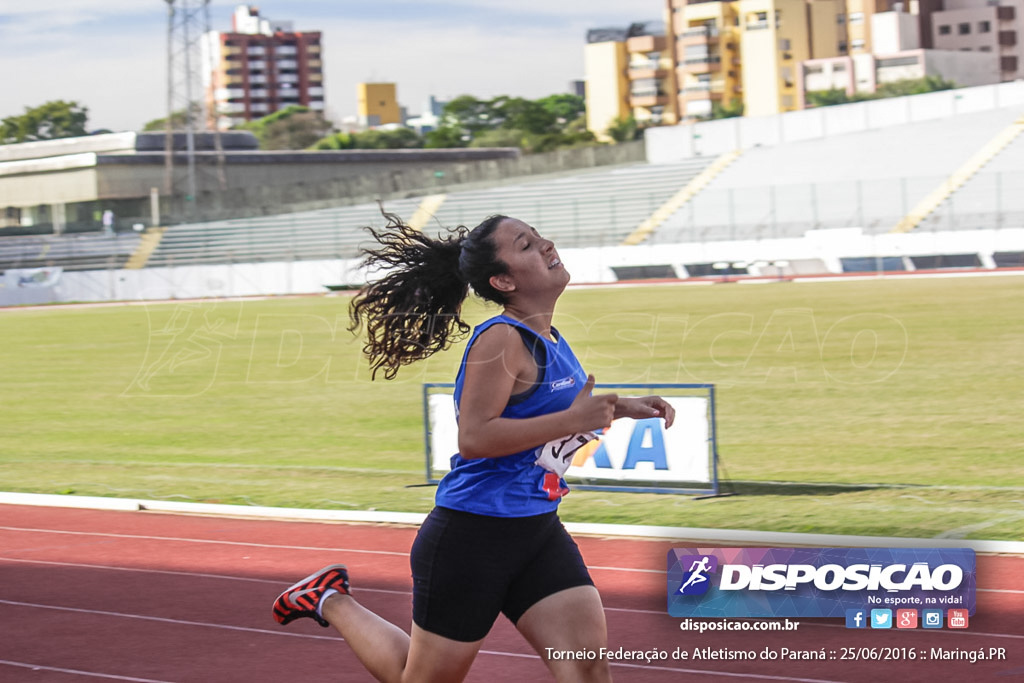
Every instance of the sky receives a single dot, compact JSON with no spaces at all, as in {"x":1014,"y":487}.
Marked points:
{"x":111,"y":55}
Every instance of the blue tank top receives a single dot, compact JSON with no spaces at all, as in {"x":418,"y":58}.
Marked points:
{"x":513,"y":485}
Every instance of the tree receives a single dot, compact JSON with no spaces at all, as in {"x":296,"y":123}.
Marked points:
{"x":500,"y":137}
{"x":179,"y":120}
{"x":914,"y":86}
{"x":623,"y":129}
{"x":49,"y":121}
{"x":336,"y":141}
{"x":517,"y":113}
{"x":532,"y":125}
{"x":397,"y":138}
{"x":901,"y":88}
{"x":293,"y":127}
{"x":566,"y":108}
{"x":469,"y":114}
{"x":446,"y":137}
{"x":727,"y":111}
{"x":826,"y":98}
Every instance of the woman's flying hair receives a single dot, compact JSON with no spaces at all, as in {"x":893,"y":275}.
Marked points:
{"x":413,"y":310}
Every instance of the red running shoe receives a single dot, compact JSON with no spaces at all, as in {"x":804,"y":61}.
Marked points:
{"x":301,"y":599}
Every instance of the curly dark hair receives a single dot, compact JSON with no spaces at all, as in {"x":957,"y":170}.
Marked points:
{"x":413,"y":311}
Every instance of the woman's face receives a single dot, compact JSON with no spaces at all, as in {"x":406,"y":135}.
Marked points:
{"x":532,"y":261}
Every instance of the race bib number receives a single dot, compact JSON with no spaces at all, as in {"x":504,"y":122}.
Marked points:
{"x":556,"y":456}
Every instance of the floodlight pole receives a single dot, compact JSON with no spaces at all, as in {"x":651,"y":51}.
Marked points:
{"x":187,"y":23}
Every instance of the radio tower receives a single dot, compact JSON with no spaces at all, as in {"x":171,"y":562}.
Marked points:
{"x":187,"y":22}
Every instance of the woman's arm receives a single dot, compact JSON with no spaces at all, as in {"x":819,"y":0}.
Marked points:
{"x":498,"y":366}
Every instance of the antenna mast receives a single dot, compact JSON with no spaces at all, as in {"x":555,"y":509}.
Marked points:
{"x":187,"y":25}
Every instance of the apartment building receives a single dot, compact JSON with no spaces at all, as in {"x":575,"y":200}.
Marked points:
{"x":705,"y":41}
{"x":259,"y":67}
{"x":898,"y":54}
{"x":983,"y":26}
{"x":749,"y":51}
{"x":767,"y":54}
{"x":859,"y":24}
{"x":629,"y":72}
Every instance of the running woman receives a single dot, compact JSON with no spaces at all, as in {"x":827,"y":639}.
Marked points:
{"x":493,"y":544}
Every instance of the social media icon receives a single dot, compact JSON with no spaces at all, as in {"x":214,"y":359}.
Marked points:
{"x":931,"y":618}
{"x":856,"y":618}
{"x":881,"y":618}
{"x":906,"y":618}
{"x":957,"y":618}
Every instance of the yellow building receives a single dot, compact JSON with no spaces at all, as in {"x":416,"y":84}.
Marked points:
{"x":377,"y":104}
{"x":629,"y":72}
{"x":858,"y":23}
{"x":750,"y":51}
{"x":705,"y":45}
{"x":604,"y":68}
{"x":652,"y":82}
{"x":774,"y":41}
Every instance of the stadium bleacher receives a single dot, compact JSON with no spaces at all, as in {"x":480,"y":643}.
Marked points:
{"x":594,"y":208}
{"x":81,"y":251}
{"x":993,"y":197}
{"x":583,"y":210}
{"x":868,"y":179}
{"x":321,"y":234}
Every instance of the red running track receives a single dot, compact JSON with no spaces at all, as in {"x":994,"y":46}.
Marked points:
{"x":90,"y":595}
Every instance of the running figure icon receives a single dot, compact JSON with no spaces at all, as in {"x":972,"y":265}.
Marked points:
{"x":697,"y":573}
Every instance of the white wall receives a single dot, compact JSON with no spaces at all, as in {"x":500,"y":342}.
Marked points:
{"x":587,"y":265}
{"x":963,"y":68}
{"x":894,"y":32}
{"x":668,"y":144}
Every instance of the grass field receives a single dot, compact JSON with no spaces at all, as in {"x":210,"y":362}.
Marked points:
{"x":880,"y":407}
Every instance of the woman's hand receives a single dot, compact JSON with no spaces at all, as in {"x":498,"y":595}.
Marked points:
{"x":646,"y":407}
{"x":593,"y":412}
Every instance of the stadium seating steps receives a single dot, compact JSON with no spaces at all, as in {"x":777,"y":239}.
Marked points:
{"x":868,"y":180}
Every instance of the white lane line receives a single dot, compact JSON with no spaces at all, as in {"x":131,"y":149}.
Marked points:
{"x":79,"y":672}
{"x":265,"y":545}
{"x":627,"y":610}
{"x":625,"y":569}
{"x":648,"y":533}
{"x":165,"y":620}
{"x":203,"y":540}
{"x":496,"y":653}
{"x":199,"y":575}
{"x":226,"y":577}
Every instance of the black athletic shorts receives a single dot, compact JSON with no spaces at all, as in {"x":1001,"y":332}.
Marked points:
{"x":467,"y":568}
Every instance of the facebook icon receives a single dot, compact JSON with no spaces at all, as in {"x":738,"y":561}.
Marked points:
{"x":856,"y":618}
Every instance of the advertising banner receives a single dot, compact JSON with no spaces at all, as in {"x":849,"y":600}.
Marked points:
{"x":876,"y":583}
{"x":633,"y":452}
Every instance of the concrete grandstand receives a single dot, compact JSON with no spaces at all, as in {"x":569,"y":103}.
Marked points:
{"x":861,"y":199}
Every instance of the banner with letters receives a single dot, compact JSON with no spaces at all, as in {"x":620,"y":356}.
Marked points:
{"x":636,"y":454}
{"x":818,"y":582}
{"x":33,"y":277}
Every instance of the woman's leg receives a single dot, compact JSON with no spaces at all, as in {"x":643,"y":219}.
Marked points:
{"x":389,"y":653}
{"x":569,"y":620}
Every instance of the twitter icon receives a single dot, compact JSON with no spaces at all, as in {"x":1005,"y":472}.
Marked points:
{"x":881,"y":618}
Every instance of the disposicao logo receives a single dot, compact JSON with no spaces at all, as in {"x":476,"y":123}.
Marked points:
{"x":818,"y":582}
{"x":696,"y":580}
